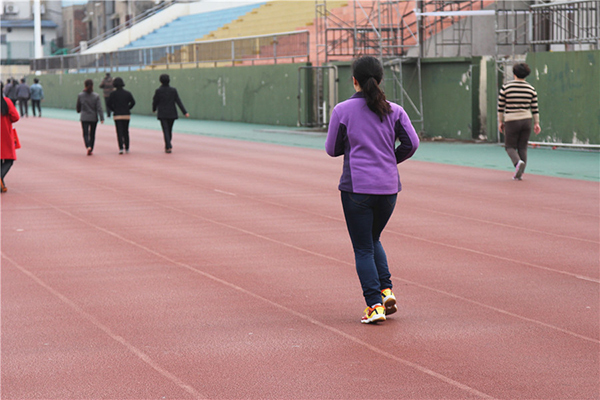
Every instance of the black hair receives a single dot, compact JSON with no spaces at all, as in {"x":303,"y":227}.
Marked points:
{"x":4,"y":104}
{"x":368,"y":72}
{"x":118,"y":83}
{"x":521,"y":70}
{"x":89,"y":86}
{"x":164,"y":79}
{"x":36,"y":80}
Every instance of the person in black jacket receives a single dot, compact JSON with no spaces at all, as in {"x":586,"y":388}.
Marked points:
{"x":120,"y":102}
{"x":164,"y":102}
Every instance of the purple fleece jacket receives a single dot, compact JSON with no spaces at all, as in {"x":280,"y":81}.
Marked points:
{"x":368,"y":146}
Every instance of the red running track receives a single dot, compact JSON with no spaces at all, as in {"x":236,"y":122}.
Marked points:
{"x":224,"y":271}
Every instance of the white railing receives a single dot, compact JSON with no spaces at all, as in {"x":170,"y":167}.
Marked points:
{"x":273,"y":48}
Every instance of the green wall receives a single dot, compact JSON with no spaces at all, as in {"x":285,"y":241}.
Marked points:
{"x":447,"y":94}
{"x":447,"y":98}
{"x":459,"y":94}
{"x":255,"y":94}
{"x":568,"y":87}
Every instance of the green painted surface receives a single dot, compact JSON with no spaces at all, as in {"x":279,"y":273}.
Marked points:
{"x":253,"y":94}
{"x":559,"y":163}
{"x":568,"y":87}
{"x":447,"y":99}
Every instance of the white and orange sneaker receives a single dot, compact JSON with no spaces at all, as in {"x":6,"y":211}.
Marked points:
{"x":389,"y":301}
{"x":373,"y":314}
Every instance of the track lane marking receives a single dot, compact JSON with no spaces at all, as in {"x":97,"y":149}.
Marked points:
{"x":305,"y":317}
{"x":95,"y":322}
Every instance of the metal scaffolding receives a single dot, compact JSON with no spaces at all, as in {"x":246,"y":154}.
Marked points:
{"x":386,"y":29}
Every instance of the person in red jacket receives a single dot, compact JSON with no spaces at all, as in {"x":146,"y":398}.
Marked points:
{"x":8,"y":153}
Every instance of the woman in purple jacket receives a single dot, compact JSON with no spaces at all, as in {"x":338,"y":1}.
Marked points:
{"x":365,"y":129}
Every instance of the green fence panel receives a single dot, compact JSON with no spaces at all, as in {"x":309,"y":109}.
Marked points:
{"x":568,"y":87}
{"x":264,"y":94}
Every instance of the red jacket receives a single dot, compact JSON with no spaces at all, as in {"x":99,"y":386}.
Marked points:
{"x":7,"y":139}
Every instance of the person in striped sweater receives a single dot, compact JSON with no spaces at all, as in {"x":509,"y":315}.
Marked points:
{"x":517,"y":104}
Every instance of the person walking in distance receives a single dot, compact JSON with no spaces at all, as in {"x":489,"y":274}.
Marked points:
{"x":37,"y":95}
{"x":107,"y":87}
{"x":365,"y":129}
{"x":90,"y":108}
{"x":163,"y":104}
{"x":8,"y":153}
{"x":23,"y":95}
{"x":120,"y":102}
{"x":10,"y":90}
{"x":517,"y":104}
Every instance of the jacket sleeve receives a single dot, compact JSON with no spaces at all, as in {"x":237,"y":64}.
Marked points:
{"x":99,"y":110}
{"x":41,"y":93}
{"x":406,"y":134}
{"x":13,"y":114}
{"x":336,"y":133}
{"x":131,"y":101}
{"x":155,"y":101}
{"x":179,"y":103}
{"x":78,"y":106}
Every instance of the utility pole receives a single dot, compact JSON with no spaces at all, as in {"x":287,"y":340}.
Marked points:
{"x":37,"y":29}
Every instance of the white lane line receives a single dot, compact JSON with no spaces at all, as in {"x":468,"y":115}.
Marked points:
{"x":465,"y":249}
{"x":176,"y":380}
{"x":94,"y":321}
{"x":224,"y":192}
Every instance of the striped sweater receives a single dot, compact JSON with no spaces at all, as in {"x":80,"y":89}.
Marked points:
{"x":517,"y":101}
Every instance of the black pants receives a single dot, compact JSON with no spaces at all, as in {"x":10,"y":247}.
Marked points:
{"x":23,"y":106}
{"x":517,"y":135}
{"x":167,"y":128}
{"x":106,"y":105}
{"x":122,"y":126}
{"x":38,"y":104}
{"x":89,"y":133}
{"x":6,"y":164}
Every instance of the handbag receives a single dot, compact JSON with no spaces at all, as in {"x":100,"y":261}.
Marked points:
{"x":17,"y":142}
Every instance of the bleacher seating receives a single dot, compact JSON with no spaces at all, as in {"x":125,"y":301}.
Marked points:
{"x":272,"y":17}
{"x":191,"y":27}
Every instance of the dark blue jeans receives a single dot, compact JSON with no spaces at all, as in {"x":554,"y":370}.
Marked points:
{"x":366,"y":216}
{"x":89,"y":133}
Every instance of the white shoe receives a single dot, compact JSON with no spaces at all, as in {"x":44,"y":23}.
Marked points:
{"x":519,"y":169}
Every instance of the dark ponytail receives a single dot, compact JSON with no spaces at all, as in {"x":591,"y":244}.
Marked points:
{"x":4,"y":104}
{"x":368,"y":71}
{"x":89,"y":86}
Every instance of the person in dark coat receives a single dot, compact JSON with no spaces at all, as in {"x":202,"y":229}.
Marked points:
{"x":10,"y":90}
{"x":120,"y":102}
{"x":163,"y":104}
{"x":90,"y":108}
{"x":23,"y":95}
{"x":107,"y":87}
